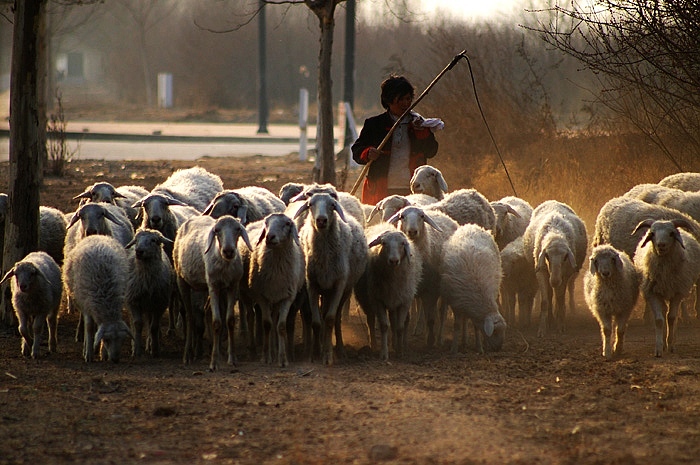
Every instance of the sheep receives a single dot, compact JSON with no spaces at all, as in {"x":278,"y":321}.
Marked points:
{"x":248,"y":204}
{"x":52,"y":232}
{"x":350,"y":204}
{"x":688,"y":181}
{"x":669,"y":268}
{"x":428,"y":180}
{"x":647,"y":192}
{"x":611,"y":289}
{"x":276,"y":276}
{"x":194,"y":186}
{"x":519,"y":283}
{"x":36,"y":297}
{"x":98,"y":218}
{"x":123,"y":197}
{"x":512,"y":217}
{"x":617,"y":219}
{"x":289,"y":191}
{"x":391,"y":204}
{"x":428,"y":240}
{"x":466,"y":206}
{"x":150,"y":282}
{"x":388,"y":285}
{"x":202,"y":266}
{"x":164,"y":214}
{"x":95,"y":276}
{"x":556,"y":242}
{"x":336,"y":253}
{"x":470,"y":282}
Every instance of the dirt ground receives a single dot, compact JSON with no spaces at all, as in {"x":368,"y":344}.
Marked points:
{"x":550,"y":400}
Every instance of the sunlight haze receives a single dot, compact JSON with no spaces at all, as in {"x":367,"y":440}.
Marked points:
{"x":469,"y":9}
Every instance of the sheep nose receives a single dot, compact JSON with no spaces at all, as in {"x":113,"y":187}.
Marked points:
{"x":155,"y":220}
{"x":139,"y":253}
{"x":321,"y":222}
{"x":272,"y":239}
{"x":23,"y":287}
{"x":394,"y":262}
{"x":412,"y":233}
{"x":227,"y":253}
{"x":605,"y":273}
{"x":90,"y":231}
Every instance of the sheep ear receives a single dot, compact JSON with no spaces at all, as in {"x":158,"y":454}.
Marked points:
{"x":98,"y":337}
{"x":138,"y":203}
{"x":432,"y":223}
{"x":642,"y":225}
{"x":339,"y":209}
{"x":301,"y":210}
{"x":74,"y":219}
{"x":682,"y":223}
{"x":512,"y":211}
{"x":83,"y":195}
{"x":649,"y":235}
{"x":242,"y":214}
{"x":210,"y":207}
{"x":677,"y":236}
{"x":394,"y":218}
{"x":374,"y":211}
{"x":210,"y":238}
{"x":130,"y":243}
{"x":8,"y":275}
{"x":295,"y":235}
{"x":263,"y":233}
{"x":118,"y":195}
{"x":376,"y":241}
{"x":244,"y":235}
{"x":592,"y":267}
{"x":540,"y":261}
{"x":111,"y":217}
{"x":618,"y":263}
{"x":488,"y":326}
{"x":300,"y":196}
{"x":441,"y":182}
{"x":165,"y":241}
{"x":571,"y":258}
{"x":172,"y":201}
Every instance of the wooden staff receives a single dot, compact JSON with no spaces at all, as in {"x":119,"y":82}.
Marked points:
{"x":365,"y":169}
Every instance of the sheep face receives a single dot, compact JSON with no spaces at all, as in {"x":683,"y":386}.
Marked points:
{"x":412,"y":222}
{"x":227,"y":203}
{"x":147,"y":244}
{"x":100,"y":192}
{"x":663,"y":235}
{"x":278,"y":229}
{"x":25,"y":275}
{"x":428,"y":180}
{"x":225,"y":233}
{"x":112,"y":336}
{"x":495,"y":331}
{"x":94,"y":219}
{"x":556,"y":256}
{"x":604,"y":262}
{"x":394,"y":247}
{"x":322,"y":208}
{"x":289,"y":191}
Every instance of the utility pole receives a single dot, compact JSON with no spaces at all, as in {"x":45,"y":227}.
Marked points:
{"x":262,"y":71}
{"x":349,"y":78}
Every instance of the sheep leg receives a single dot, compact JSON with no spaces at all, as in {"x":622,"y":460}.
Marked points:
{"x":559,"y":307}
{"x":339,"y":345}
{"x":417,"y":309}
{"x":38,"y":330}
{"x":137,"y":329}
{"x":231,"y":298}
{"x":372,"y":326}
{"x":291,"y":323}
{"x":380,"y":311}
{"x":508,"y":306}
{"x":88,"y":338}
{"x":399,"y":329}
{"x":430,"y":300}
{"x":186,"y":294}
{"x":314,"y":297}
{"x":620,"y":329}
{"x":658,"y":309}
{"x":215,"y":302}
{"x":330,"y":310}
{"x":282,"y":335}
{"x":154,"y":327}
{"x":545,"y":304}
{"x":52,"y":323}
{"x":24,"y":332}
{"x":606,"y":335}
{"x":442,"y":319}
{"x":266,"y":312}
{"x":673,"y":309}
{"x":456,"y":331}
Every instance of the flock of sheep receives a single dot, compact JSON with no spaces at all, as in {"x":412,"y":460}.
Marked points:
{"x":195,"y":249}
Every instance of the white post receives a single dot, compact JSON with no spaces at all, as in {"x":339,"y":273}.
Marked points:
{"x":303,"y":119}
{"x":340,"y":144}
{"x":165,"y":90}
{"x":350,"y":118}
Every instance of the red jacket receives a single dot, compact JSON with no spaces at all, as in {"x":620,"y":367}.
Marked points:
{"x":423,"y":146}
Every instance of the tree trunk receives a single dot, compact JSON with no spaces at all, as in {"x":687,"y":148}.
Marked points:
{"x":26,"y":142}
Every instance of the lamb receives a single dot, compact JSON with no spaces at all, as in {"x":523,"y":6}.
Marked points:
{"x":201,"y":266}
{"x":248,"y":204}
{"x":36,"y":297}
{"x":388,"y":285}
{"x":466,"y":206}
{"x":470,"y":282}
{"x":512,"y":217}
{"x":94,"y":275}
{"x":391,"y":204}
{"x":428,"y":241}
{"x":428,"y":180}
{"x":194,"y":186}
{"x":611,"y":289}
{"x":150,"y":282}
{"x":669,"y":268}
{"x":688,"y":181}
{"x":619,"y":216}
{"x":519,"y":283}
{"x":556,"y":241}
{"x":275,"y":278}
{"x":336,"y":253}
{"x":123,"y":197}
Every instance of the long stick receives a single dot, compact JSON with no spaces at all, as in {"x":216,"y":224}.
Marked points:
{"x":365,"y":169}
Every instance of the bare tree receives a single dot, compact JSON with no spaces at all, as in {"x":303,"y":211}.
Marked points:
{"x":647,"y":57}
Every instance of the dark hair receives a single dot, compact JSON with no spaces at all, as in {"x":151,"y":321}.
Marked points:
{"x":395,"y":86}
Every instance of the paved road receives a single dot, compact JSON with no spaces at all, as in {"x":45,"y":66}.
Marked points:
{"x":182,"y":141}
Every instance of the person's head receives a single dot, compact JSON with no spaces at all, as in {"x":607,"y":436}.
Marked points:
{"x":395,"y":87}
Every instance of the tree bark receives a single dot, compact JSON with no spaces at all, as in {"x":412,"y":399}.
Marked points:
{"x":22,"y":221}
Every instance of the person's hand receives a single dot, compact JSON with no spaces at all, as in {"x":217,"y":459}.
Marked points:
{"x":418,"y":122}
{"x":373,"y":154}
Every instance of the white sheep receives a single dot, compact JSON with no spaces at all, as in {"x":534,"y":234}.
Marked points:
{"x":123,"y":197}
{"x":391,"y":204}
{"x":611,"y":289}
{"x":248,"y":204}
{"x":336,"y":253}
{"x":206,"y":259}
{"x":350,"y":204}
{"x":164,"y":214}
{"x":556,"y":241}
{"x":98,"y":218}
{"x":428,"y":240}
{"x":466,"y":206}
{"x":519,"y":283}
{"x":276,"y":275}
{"x":150,"y":283}
{"x":194,"y":186}
{"x":94,"y":276}
{"x":388,"y":285}
{"x":52,"y":232}
{"x":36,"y":297}
{"x":688,"y":181}
{"x":470,"y":282}
{"x":669,"y":267}
{"x":428,"y":180}
{"x":512,"y":217}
